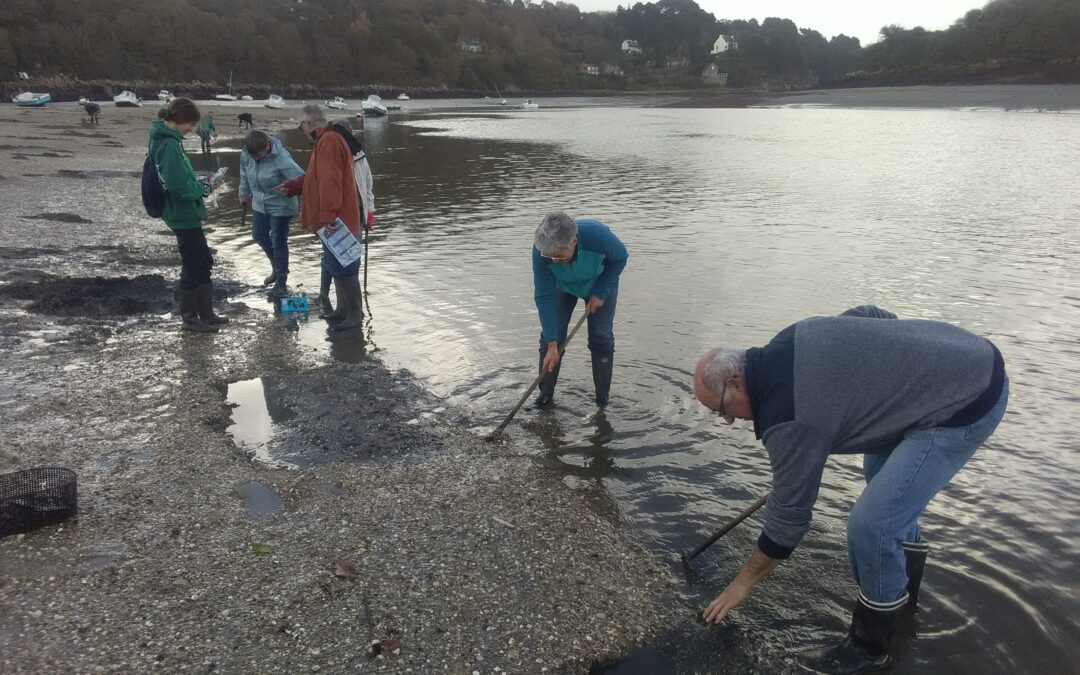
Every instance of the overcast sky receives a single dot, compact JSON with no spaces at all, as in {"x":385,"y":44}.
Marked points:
{"x":858,"y":18}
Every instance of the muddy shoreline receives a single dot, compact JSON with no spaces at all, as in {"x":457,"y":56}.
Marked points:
{"x":188,"y":554}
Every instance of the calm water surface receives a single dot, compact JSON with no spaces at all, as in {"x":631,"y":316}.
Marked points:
{"x":740,"y":222}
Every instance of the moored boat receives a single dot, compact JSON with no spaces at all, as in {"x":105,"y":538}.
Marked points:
{"x":373,"y":106}
{"x":165,"y":96}
{"x":127,"y":99}
{"x":31,"y":100}
{"x":336,"y":103}
{"x":529,"y":105}
{"x":274,"y":102}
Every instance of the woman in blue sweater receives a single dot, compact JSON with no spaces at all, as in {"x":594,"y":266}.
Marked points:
{"x":264,"y":164}
{"x":576,"y":259}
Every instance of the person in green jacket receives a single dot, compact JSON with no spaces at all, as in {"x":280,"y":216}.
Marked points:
{"x":185,"y":213}
{"x":205,"y":130}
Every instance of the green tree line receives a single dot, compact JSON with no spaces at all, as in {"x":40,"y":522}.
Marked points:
{"x":510,"y":44}
{"x":1034,"y":32}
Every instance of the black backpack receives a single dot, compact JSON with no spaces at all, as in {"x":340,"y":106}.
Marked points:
{"x":153,"y":192}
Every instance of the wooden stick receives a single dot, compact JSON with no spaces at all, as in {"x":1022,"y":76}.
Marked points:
{"x":747,"y":512}
{"x":536,"y":382}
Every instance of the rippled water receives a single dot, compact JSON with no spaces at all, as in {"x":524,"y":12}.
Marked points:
{"x":740,"y":222}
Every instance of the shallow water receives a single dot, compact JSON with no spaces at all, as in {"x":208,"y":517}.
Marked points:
{"x":740,"y":222}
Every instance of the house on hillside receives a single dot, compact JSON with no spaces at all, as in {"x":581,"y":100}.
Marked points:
{"x":677,"y":62}
{"x":725,"y":44}
{"x":713,"y":75}
{"x":631,"y":47}
{"x":613,"y":69}
{"x":471,"y":47}
{"x":589,"y":69}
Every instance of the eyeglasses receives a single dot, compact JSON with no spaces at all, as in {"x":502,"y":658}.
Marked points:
{"x":723,"y":396}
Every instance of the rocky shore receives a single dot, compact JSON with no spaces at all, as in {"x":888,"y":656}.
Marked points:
{"x":407,"y":545}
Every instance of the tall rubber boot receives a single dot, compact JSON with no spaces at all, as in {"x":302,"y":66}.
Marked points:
{"x":206,"y":305}
{"x":602,"y":365}
{"x":350,"y":297}
{"x":914,"y":564}
{"x":280,"y":289}
{"x":189,"y":312}
{"x":326,"y":309}
{"x":547,"y":385}
{"x":866,"y":647}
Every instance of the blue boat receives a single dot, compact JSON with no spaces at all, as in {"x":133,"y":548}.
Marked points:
{"x":30,"y":100}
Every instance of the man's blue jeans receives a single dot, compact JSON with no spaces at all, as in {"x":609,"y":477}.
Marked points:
{"x":601,"y":324}
{"x":271,"y":233}
{"x":899,"y":485}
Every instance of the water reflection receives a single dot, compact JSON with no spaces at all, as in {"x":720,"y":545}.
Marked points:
{"x":740,"y":222}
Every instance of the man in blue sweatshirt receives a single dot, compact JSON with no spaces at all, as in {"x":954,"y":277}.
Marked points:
{"x":571,"y":260}
{"x":915,"y":398}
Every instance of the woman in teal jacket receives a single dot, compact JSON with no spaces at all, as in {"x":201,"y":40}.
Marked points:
{"x":571,"y":260}
{"x":264,"y":164}
{"x":185,"y":213}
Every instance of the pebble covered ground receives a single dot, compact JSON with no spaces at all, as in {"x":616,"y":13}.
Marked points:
{"x":404,"y":548}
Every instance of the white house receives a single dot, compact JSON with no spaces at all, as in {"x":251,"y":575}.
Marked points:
{"x":471,"y":46}
{"x":631,"y":47}
{"x":724,"y":43}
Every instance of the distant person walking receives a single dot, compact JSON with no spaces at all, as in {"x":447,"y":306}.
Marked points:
{"x":93,"y":110}
{"x":185,"y":213}
{"x":265,"y":164}
{"x":206,"y":130}
{"x":329,"y":191}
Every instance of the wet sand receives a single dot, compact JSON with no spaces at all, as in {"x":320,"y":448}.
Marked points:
{"x":190,"y":555}
{"x":1028,"y":97}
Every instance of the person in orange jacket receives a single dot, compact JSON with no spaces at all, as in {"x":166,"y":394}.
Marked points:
{"x":329,"y":191}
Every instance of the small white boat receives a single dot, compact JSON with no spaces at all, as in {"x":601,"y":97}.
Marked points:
{"x":497,"y":93}
{"x":165,"y":95}
{"x":230,"y":96}
{"x":529,"y":105}
{"x":373,"y":107}
{"x":337,"y":103}
{"x":246,"y":97}
{"x":127,"y":99}
{"x":403,"y":97}
{"x":83,"y":100}
{"x":31,"y":100}
{"x":275,"y":102}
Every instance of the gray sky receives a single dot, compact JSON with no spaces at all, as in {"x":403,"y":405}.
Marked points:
{"x":859,"y":18}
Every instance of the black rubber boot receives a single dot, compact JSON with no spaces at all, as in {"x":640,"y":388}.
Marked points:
{"x":350,"y":302}
{"x":189,"y":312}
{"x":280,"y":289}
{"x":915,"y":563}
{"x":206,"y":306}
{"x":547,"y":386}
{"x":866,"y":647}
{"x":326,"y":310}
{"x":602,"y":365}
{"x":270,"y":278}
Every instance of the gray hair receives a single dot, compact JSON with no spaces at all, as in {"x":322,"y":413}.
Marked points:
{"x":556,"y":232}
{"x":256,"y":142}
{"x":313,"y":114}
{"x":720,"y":365}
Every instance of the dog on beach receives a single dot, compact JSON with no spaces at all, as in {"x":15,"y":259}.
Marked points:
{"x":246,"y":121}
